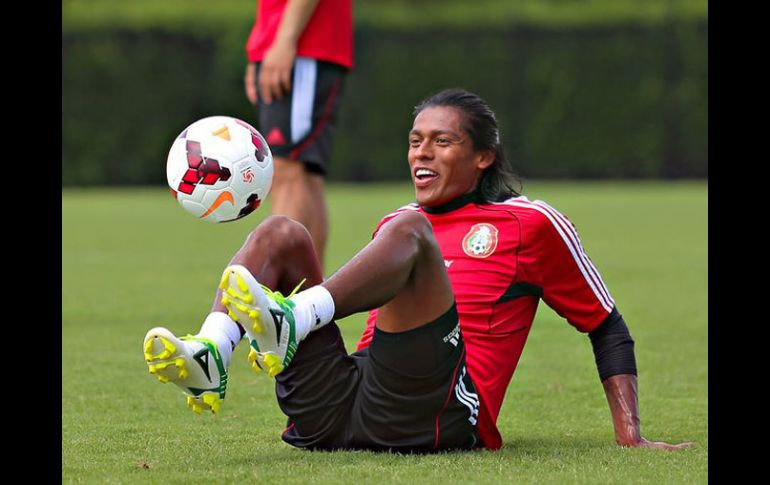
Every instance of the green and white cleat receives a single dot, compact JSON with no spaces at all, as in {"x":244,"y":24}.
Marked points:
{"x":192,"y":363}
{"x":266,"y":316}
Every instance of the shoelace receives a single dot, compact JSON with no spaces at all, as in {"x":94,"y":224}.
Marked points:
{"x":279,"y":298}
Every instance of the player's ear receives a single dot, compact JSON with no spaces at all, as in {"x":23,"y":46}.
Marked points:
{"x":485,"y":159}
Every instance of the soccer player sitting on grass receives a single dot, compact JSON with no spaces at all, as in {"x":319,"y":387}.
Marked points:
{"x":452,"y":281}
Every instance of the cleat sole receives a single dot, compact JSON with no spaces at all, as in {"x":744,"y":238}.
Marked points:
{"x":204,"y":402}
{"x":169,"y":365}
{"x":246,"y":304}
{"x":273,"y":363}
{"x":242,"y":285}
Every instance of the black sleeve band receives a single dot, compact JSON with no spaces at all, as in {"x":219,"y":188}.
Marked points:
{"x":613,"y":347}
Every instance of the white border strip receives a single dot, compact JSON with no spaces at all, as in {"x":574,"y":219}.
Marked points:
{"x":303,"y":96}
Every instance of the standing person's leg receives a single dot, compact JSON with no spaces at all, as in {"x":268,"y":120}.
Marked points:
{"x":300,"y":194}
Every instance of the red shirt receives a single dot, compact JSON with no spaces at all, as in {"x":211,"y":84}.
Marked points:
{"x":502,"y":259}
{"x":328,"y":35}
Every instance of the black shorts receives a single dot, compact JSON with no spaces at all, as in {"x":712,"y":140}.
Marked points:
{"x":301,"y":125}
{"x":407,"y":392}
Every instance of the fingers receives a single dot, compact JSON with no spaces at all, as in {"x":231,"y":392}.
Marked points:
{"x":660,"y":445}
{"x":274,"y":82}
{"x":683,"y":446}
{"x":251,"y":93}
{"x":285,"y":77}
{"x":249,"y":83}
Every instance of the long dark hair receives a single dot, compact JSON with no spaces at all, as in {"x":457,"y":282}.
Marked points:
{"x":498,"y":179}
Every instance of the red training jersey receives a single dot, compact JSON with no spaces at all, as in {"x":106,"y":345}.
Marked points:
{"x":502,"y":259}
{"x":328,"y":35}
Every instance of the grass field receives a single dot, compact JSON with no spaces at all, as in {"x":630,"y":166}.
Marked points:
{"x":132,"y":259}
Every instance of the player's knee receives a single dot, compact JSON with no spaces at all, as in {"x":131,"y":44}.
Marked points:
{"x":280,"y":233}
{"x":413,"y":225}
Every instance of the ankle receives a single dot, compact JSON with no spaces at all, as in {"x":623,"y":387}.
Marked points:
{"x":224,"y":332}
{"x":315,"y":308}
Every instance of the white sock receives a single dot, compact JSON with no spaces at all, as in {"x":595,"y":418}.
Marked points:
{"x":223,"y":331}
{"x":315,"y":308}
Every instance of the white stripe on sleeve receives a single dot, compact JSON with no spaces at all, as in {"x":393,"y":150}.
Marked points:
{"x":575,"y":237}
{"x":567,"y":234}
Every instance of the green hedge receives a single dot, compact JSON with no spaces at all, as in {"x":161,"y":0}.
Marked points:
{"x":584,"y":102}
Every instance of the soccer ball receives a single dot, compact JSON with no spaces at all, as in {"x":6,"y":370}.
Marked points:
{"x":219,"y":169}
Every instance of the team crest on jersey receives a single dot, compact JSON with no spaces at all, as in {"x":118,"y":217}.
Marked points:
{"x":481,"y":240}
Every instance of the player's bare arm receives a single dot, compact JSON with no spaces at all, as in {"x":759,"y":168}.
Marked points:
{"x":615,"y":360}
{"x":622,"y":399}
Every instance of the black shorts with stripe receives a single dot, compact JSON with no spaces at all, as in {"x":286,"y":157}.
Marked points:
{"x":407,"y":392}
{"x":300,"y":126}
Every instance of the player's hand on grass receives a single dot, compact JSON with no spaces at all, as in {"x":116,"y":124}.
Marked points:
{"x":275,"y":71}
{"x":659,"y":445}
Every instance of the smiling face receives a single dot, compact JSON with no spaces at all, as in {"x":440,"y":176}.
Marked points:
{"x":442,"y":160}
